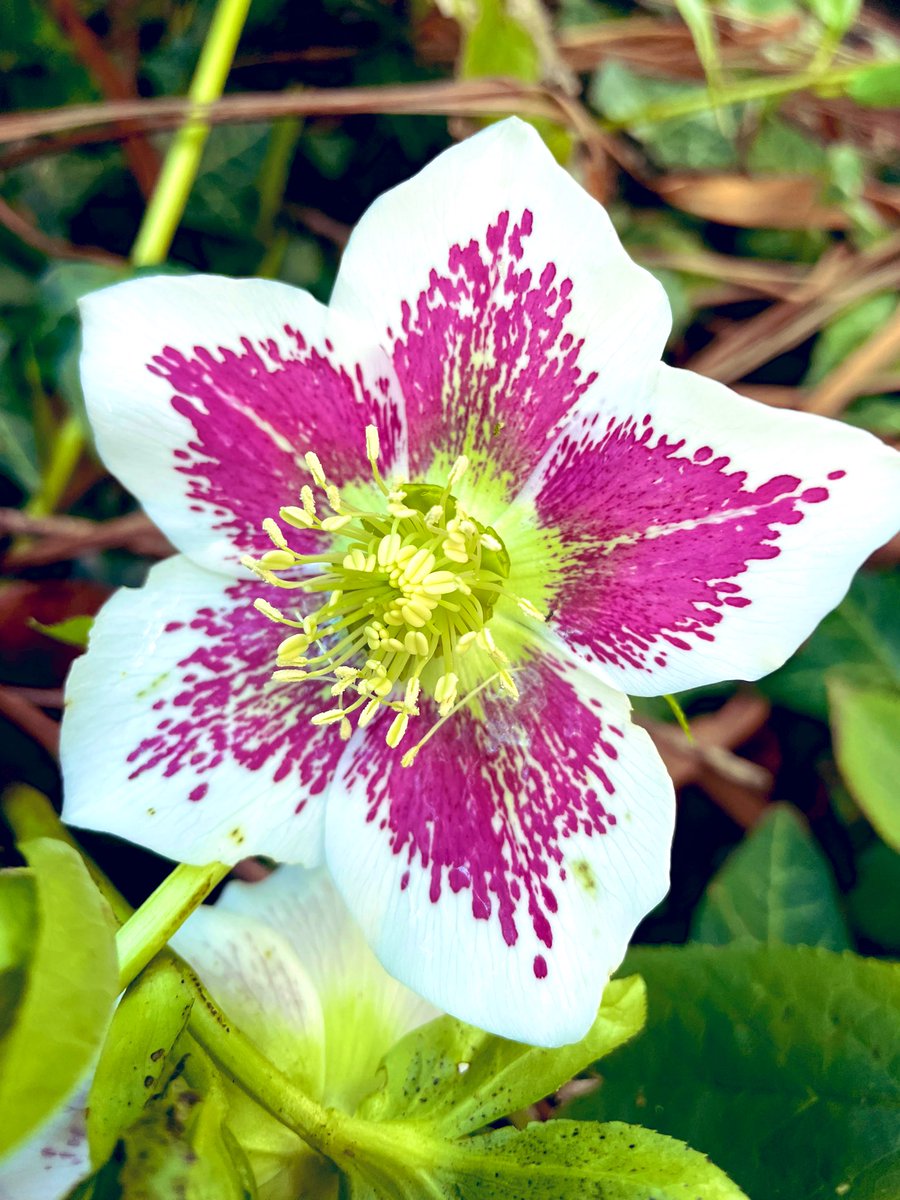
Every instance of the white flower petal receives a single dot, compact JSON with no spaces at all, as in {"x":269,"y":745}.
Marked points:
{"x":253,"y":971}
{"x":365,"y":1011}
{"x":506,"y":296}
{"x":502,"y":874}
{"x":705,"y":535}
{"x":205,"y":393}
{"x":53,"y":1160}
{"x":176,"y":738}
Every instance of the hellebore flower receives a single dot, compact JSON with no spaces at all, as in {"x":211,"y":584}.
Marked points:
{"x":285,"y":961}
{"x":479,"y":511}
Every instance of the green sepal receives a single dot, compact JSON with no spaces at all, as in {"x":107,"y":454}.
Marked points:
{"x":458,"y":1079}
{"x":135,"y":1059}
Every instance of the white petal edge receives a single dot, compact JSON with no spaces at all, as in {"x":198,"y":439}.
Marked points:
{"x":253,"y":971}
{"x":137,"y":430}
{"x":131,"y":664}
{"x":365,"y":1011}
{"x":618,"y":307}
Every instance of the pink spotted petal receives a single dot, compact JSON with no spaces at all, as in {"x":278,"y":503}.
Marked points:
{"x":205,"y":393}
{"x":706,"y":535}
{"x":176,"y":738}
{"x":54,"y":1159}
{"x":503,"y":872}
{"x":507,"y":298}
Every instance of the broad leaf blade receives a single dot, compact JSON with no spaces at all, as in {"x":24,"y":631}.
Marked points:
{"x":135,"y":1057}
{"x":865,"y":722}
{"x":776,"y":886}
{"x":68,"y":998}
{"x":780,"y":1062}
{"x":459,"y":1079}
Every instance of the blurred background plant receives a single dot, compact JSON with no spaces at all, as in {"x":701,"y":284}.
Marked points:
{"x":749,"y":152}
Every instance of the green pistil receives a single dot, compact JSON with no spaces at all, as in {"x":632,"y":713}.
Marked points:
{"x":411,"y":588}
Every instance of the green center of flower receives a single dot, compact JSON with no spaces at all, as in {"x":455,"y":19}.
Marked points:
{"x":408,"y":586}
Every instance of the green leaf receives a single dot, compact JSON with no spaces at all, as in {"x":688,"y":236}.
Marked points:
{"x":136,"y":1054}
{"x":874,"y":902}
{"x":878,"y":414}
{"x":781,"y":147}
{"x":865,"y":723}
{"x":561,"y":1159}
{"x":72,"y":984}
{"x":224,"y":199}
{"x":556,"y":1160}
{"x":847,"y":332}
{"x":695,"y":142}
{"x":458,"y":1079}
{"x":177,"y":1148}
{"x":73,"y":631}
{"x":498,"y":44}
{"x":836,"y":15}
{"x":18,"y":932}
{"x":877,"y":87}
{"x":862,"y":636}
{"x":18,"y":452}
{"x":698,"y":17}
{"x":782,"y":1063}
{"x":776,"y":886}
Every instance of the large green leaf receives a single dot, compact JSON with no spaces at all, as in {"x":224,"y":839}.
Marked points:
{"x":874,"y":902}
{"x":135,"y":1058}
{"x":558,"y":1160}
{"x":776,"y":886}
{"x":18,"y":932}
{"x":458,"y":1079}
{"x":72,"y":983}
{"x":865,"y":722}
{"x":782,"y":1063}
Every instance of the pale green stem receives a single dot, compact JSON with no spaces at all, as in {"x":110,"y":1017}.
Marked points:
{"x":183,"y":158}
{"x":362,"y":1147}
{"x":162,"y":216}
{"x":64,"y":456}
{"x":162,"y":913}
{"x":740,"y":93}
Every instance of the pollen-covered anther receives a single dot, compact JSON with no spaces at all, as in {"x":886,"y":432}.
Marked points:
{"x":404,"y":590}
{"x":300,"y":518}
{"x":315,"y":469}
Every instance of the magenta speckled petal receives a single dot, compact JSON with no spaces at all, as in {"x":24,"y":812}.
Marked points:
{"x":502,"y":874}
{"x":510,"y":299}
{"x":175,"y":735}
{"x":706,"y":535}
{"x":205,"y":393}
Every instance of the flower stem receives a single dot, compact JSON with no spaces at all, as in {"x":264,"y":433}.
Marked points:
{"x":739,"y":93}
{"x":239,"y":1058}
{"x":67,"y":446}
{"x":162,"y":913}
{"x":365,"y":1149}
{"x":162,"y":215}
{"x":183,"y":158}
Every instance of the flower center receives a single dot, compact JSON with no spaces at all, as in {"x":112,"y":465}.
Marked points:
{"x":409,"y":588}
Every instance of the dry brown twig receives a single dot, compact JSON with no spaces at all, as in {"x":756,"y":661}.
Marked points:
{"x":64,"y":538}
{"x":30,"y":719}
